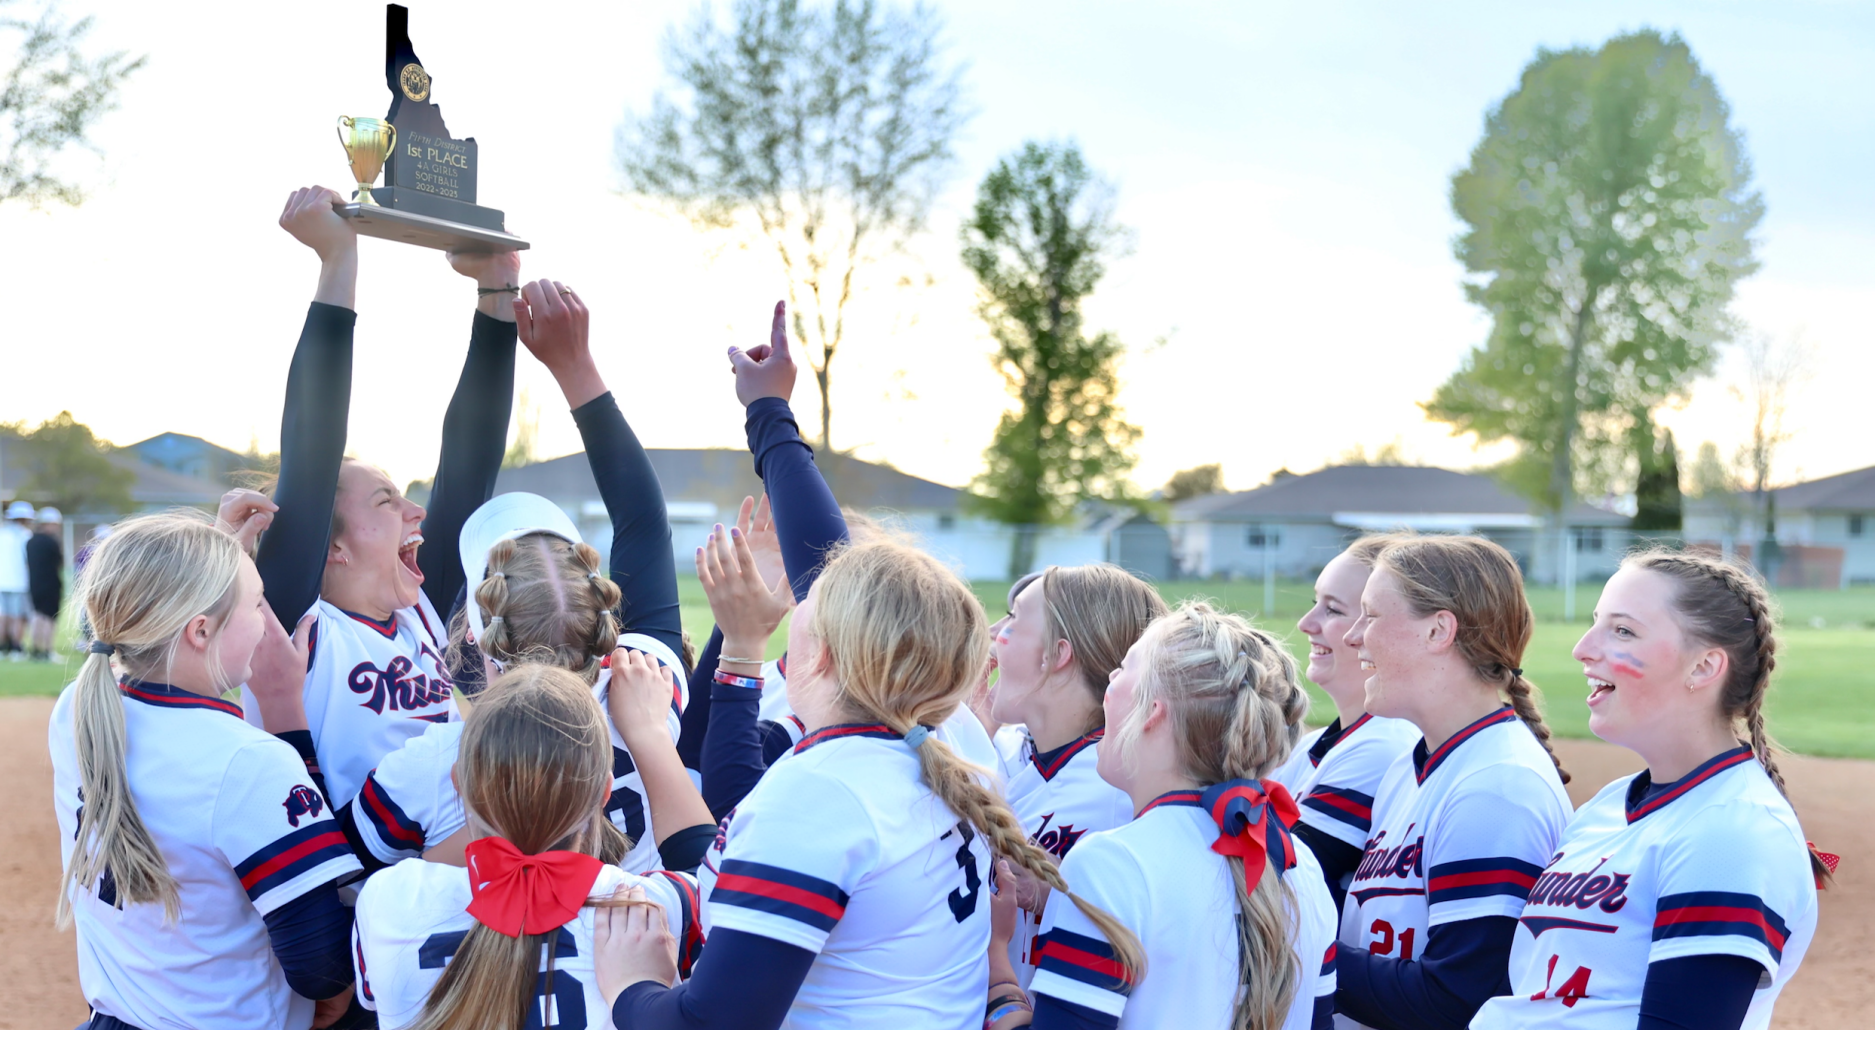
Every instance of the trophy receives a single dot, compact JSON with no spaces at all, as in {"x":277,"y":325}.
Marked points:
{"x":428,"y":197}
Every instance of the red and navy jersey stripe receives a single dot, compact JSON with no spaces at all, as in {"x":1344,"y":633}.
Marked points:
{"x":835,"y":732}
{"x":1343,"y":804}
{"x":1173,"y":798}
{"x":1048,"y":763}
{"x":291,"y":856}
{"x":1644,"y":798}
{"x":1424,"y":763}
{"x":393,"y":825}
{"x":1331,"y":736}
{"x":1083,"y":959}
{"x":159,"y":695}
{"x":1480,"y":877}
{"x":1328,"y":960}
{"x":358,"y":954}
{"x":779,"y":892}
{"x":387,"y":629}
{"x":1708,"y":912}
{"x":691,"y":946}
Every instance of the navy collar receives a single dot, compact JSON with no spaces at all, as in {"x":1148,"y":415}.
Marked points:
{"x":1644,"y":797}
{"x":388,"y":629}
{"x":160,"y":695}
{"x":1331,"y":736}
{"x":1424,"y":763}
{"x":837,"y":732}
{"x":1049,"y":763}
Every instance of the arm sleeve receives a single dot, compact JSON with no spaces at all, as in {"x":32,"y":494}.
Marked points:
{"x":301,"y":741}
{"x":475,"y":434}
{"x":1054,"y":1013}
{"x":1324,"y":1015}
{"x":776,"y":741}
{"x":746,"y":982}
{"x":275,"y":830}
{"x":796,"y":849}
{"x":1078,"y":966}
{"x":308,"y":935}
{"x":807,"y":519}
{"x":1729,"y":885}
{"x":292,"y":554}
{"x":696,"y":716}
{"x":1465,"y":964}
{"x":1338,"y":859}
{"x":732,"y":747}
{"x":684,"y":851}
{"x":1699,"y":992}
{"x":1488,"y":841}
{"x":409,"y":802}
{"x":642,"y":563}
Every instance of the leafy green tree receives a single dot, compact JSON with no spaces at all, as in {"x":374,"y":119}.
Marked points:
{"x":828,"y":128}
{"x":1190,"y":483}
{"x":1657,"y":501}
{"x":1039,"y":239}
{"x":50,"y":97}
{"x":70,"y":469}
{"x":1608,"y":218}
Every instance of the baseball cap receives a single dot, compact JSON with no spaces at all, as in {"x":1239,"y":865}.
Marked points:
{"x":503,"y":517}
{"x":48,"y":515}
{"x":20,"y":511}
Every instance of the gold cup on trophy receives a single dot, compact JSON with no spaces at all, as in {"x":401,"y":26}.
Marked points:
{"x":367,"y":141}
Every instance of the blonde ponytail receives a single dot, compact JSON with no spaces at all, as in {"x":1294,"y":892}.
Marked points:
{"x":906,"y":639}
{"x":140,"y":590}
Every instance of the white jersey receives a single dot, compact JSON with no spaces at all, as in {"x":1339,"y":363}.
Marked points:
{"x":843,"y":850}
{"x":1341,"y":772}
{"x":1292,"y":771}
{"x":1159,"y":876}
{"x":1059,"y":797}
{"x":1460,"y":833}
{"x":13,"y":571}
{"x":962,"y":731}
{"x":409,"y":802}
{"x":1011,"y":743}
{"x":370,"y":686}
{"x":242,"y":829}
{"x":413,"y":917}
{"x":1713,"y":864}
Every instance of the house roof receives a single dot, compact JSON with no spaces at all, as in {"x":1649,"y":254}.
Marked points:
{"x":1851,"y":490}
{"x":1379,"y":496}
{"x":722,"y":477}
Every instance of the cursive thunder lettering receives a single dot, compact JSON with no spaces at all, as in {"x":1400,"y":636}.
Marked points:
{"x":396,"y":688}
{"x":1399,"y":862}
{"x":1581,"y":890}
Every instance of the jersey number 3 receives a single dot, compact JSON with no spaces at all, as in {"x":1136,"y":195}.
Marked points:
{"x":964,"y":901}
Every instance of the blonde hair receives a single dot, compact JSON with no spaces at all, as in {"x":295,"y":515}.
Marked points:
{"x":140,"y":590}
{"x":535,"y":763}
{"x":1233,"y":697}
{"x":1477,"y":581}
{"x":1099,"y":610}
{"x":905,"y":640}
{"x":1720,"y":604}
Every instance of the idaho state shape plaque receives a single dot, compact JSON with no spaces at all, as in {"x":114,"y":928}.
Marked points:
{"x":428,"y":196}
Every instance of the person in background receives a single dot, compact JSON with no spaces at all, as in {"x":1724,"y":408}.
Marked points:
{"x":45,"y":560}
{"x":13,"y":582}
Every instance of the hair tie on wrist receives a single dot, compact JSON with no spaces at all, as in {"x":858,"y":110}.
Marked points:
{"x":915,"y":736}
{"x":485,"y":291}
{"x":102,"y":649}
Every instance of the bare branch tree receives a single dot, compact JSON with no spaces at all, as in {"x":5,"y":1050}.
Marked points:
{"x":49,"y":98}
{"x":1773,"y":372}
{"x":828,"y":128}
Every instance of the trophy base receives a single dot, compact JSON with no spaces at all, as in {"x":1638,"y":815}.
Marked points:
{"x":398,"y":225}
{"x":437,"y":207}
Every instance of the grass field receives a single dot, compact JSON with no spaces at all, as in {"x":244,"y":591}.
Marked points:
{"x":1822,"y":698}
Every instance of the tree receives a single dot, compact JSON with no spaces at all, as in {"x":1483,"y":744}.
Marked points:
{"x":829,"y":128}
{"x":1657,"y":501}
{"x":1773,"y":373}
{"x":1038,"y":240}
{"x":1608,"y":215}
{"x":69,"y":468}
{"x":49,"y":99}
{"x":1190,"y":483}
{"x":1386,"y":454}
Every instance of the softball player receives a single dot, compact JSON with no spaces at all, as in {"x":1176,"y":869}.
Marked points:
{"x":507,"y":942}
{"x":1464,"y":824}
{"x":1684,"y":896}
{"x":203,"y":863}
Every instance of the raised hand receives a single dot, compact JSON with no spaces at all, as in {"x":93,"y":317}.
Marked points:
{"x":245,"y":513}
{"x":632,"y":943}
{"x":554,"y":325}
{"x":491,"y":271}
{"x":638,"y":697}
{"x":746,"y":608}
{"x":308,"y":216}
{"x":767,"y":369}
{"x":757,"y":524}
{"x":277,"y":674}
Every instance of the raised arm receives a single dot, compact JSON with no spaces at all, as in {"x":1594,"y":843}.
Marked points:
{"x":553,"y":322}
{"x":475,"y":428}
{"x":292,"y":555}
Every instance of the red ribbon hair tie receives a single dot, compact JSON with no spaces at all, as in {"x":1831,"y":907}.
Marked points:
{"x":1830,"y":861}
{"x":1253,"y":819}
{"x":517,"y":893}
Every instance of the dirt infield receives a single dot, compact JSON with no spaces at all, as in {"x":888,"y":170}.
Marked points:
{"x":39,"y":969}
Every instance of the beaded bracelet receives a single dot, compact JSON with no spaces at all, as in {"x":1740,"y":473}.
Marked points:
{"x":723,"y":677}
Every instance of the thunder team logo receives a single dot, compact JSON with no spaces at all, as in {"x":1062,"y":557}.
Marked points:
{"x":395,"y":687}
{"x":302,"y":801}
{"x":1060,"y":840}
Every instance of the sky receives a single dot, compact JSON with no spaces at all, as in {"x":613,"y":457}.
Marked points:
{"x":1284,"y":169}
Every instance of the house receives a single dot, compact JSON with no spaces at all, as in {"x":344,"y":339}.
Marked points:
{"x":1825,"y":527}
{"x":1296,"y":524}
{"x":153,"y":487}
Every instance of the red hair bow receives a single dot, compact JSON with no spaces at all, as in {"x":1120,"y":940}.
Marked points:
{"x":1253,"y":819}
{"x":517,"y":893}
{"x":1830,"y":861}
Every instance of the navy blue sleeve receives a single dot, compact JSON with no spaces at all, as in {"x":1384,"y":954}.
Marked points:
{"x":311,"y":937}
{"x":695,"y":721}
{"x":1324,"y":1017}
{"x":776,"y":743}
{"x":743,"y":981}
{"x":348,"y":823}
{"x":1464,"y":964}
{"x":1054,"y":1013}
{"x":642,"y":564}
{"x":1338,"y":860}
{"x":808,"y":521}
{"x":1699,"y":992}
{"x":475,"y":436}
{"x":292,"y":554}
{"x":684,"y":851}
{"x":732,"y":747}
